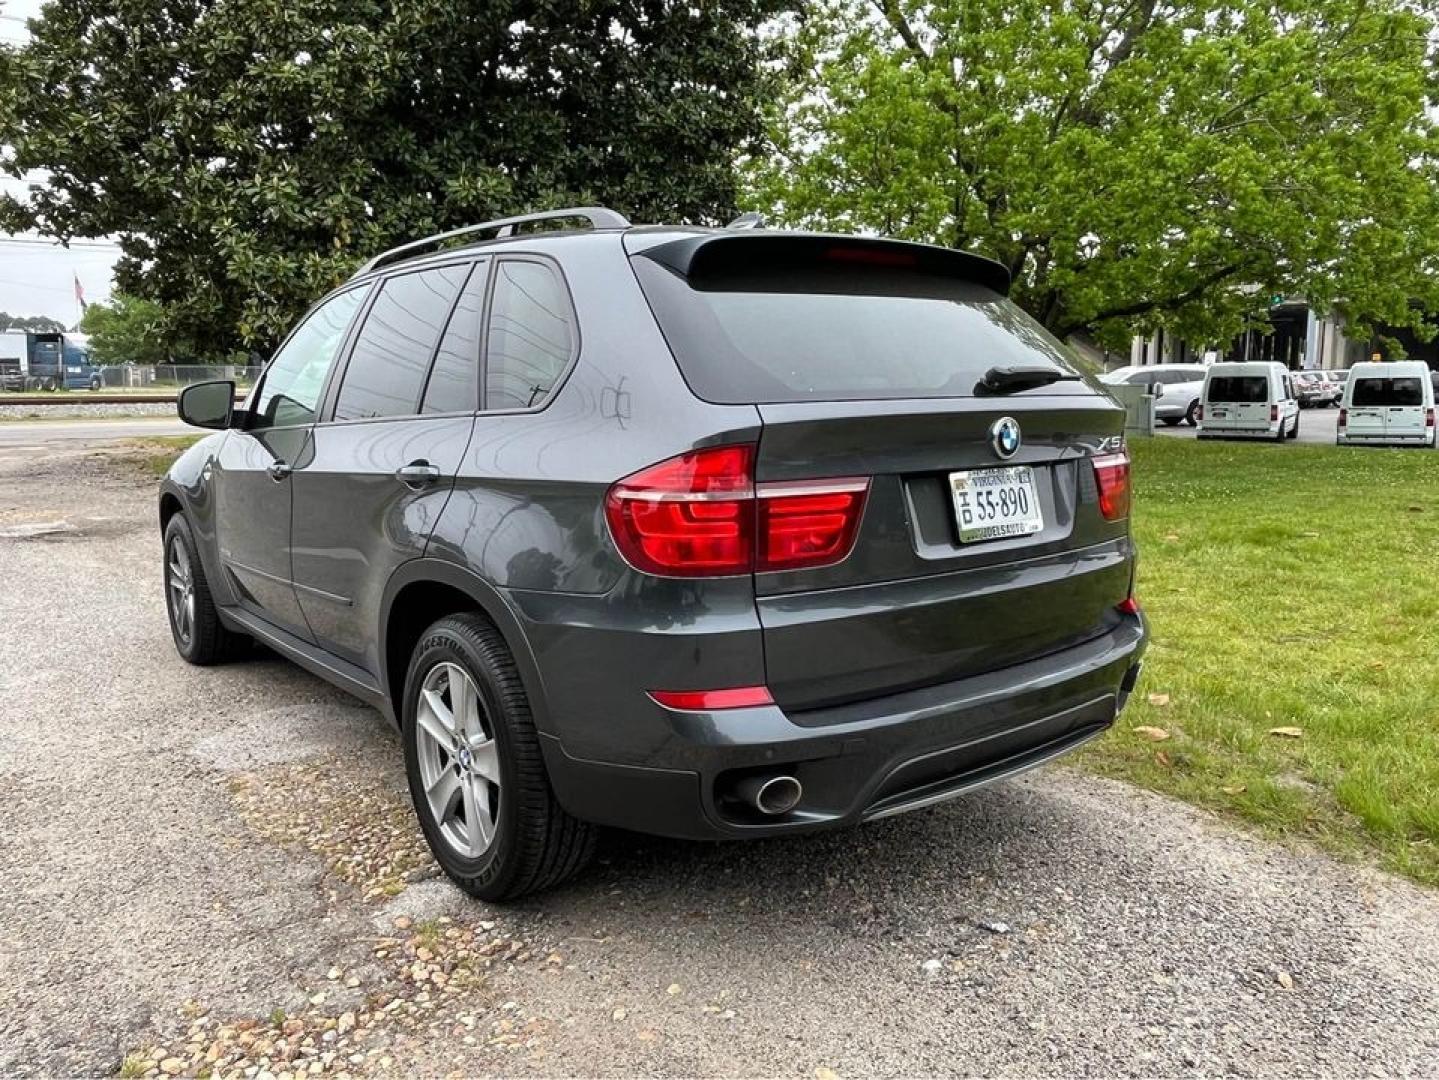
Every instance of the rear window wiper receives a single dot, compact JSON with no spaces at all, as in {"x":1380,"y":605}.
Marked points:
{"x":1009,"y":380}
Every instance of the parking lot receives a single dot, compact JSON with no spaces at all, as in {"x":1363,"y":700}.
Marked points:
{"x":1315,"y":426}
{"x":219,"y":866}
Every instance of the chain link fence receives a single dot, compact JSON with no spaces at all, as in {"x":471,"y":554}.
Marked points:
{"x":172,"y":376}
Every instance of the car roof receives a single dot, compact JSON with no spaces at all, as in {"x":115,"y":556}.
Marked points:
{"x":1389,"y":369}
{"x":1245,"y":367}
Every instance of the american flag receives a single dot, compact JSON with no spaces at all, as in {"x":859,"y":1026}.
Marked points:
{"x":79,"y":292}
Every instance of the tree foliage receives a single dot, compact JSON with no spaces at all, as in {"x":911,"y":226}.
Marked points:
{"x":246,"y":153}
{"x":128,"y":330}
{"x":34,"y":324}
{"x":1136,"y":163}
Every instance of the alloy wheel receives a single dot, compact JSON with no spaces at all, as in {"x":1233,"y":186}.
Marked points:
{"x":181,"y":581}
{"x":459,"y":759}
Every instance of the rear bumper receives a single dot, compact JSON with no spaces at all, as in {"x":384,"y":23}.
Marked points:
{"x":1211,"y":432}
{"x":1425,"y":440}
{"x":858,"y":761}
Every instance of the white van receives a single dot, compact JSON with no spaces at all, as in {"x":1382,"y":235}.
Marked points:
{"x":1388,"y":405}
{"x":1248,"y":401}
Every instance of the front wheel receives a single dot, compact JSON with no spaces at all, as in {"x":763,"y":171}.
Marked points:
{"x":200,"y":637}
{"x":1191,"y":414}
{"x":476,"y":774}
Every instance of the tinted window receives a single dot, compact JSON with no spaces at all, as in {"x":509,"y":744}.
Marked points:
{"x":816,"y":333}
{"x":531,"y":335}
{"x":290,"y":392}
{"x":392,"y":352}
{"x":1405,"y":391}
{"x":454,"y":380}
{"x":1239,"y":388}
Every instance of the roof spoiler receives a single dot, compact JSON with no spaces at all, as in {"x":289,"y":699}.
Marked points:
{"x":714,"y":255}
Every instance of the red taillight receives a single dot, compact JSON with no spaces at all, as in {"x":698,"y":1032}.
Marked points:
{"x":691,"y":515}
{"x":1128,"y":606}
{"x":699,"y":514}
{"x":1111,"y":475}
{"x":735,"y":697}
{"x":808,"y":524}
{"x":1273,"y":413}
{"x":1429,"y":417}
{"x":1343,"y":417}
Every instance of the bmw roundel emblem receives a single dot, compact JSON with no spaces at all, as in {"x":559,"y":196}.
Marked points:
{"x":1004,"y":436}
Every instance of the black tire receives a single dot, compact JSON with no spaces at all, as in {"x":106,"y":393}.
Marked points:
{"x":1294,"y":431}
{"x":1191,"y":414}
{"x":47,"y":385}
{"x":1169,"y":421}
{"x":95,"y":382}
{"x":208,"y":640}
{"x":536,"y":844}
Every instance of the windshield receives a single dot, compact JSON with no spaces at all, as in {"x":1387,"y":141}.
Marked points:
{"x":814,"y":335}
{"x":1389,"y":391}
{"x":1241,"y":389}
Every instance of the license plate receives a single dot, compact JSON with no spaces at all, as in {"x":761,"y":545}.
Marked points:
{"x":994,"y":504}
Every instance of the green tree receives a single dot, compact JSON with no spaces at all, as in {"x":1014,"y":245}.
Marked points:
{"x":1134,"y":164}
{"x":34,"y":324}
{"x":247,"y":153}
{"x":128,"y":330}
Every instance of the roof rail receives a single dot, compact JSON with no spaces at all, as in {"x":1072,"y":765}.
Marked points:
{"x":597,"y":216}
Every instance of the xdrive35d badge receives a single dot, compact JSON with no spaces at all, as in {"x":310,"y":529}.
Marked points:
{"x":707,"y":614}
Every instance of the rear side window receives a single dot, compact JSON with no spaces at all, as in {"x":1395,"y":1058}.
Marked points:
{"x":1239,"y":389}
{"x":1388,"y":391}
{"x":392,"y":351}
{"x":840,"y":332}
{"x":531,"y":334}
{"x":454,"y":380}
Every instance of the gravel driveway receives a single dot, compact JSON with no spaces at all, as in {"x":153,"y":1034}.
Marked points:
{"x":217,"y":870}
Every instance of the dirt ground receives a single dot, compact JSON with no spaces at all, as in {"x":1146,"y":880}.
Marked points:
{"x":217,"y":870}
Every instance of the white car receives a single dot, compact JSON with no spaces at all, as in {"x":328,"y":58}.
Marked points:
{"x":1390,"y":404}
{"x":1248,"y":401}
{"x":1177,"y":386}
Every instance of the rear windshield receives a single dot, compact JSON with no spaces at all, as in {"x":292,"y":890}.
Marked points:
{"x":846,"y":334}
{"x":1239,"y":388}
{"x":1402,"y":391}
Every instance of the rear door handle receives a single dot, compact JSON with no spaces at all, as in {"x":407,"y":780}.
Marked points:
{"x":278,"y":470}
{"x":417,"y":474}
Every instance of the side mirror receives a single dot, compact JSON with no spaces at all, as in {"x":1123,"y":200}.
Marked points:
{"x":207,"y":404}
{"x":1156,"y":389}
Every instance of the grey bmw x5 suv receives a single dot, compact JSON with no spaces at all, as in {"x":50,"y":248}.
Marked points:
{"x":706,"y":533}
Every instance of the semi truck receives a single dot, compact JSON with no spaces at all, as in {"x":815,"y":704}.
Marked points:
{"x":46,"y":361}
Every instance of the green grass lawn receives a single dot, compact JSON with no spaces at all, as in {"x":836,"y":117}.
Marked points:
{"x":1291,"y":587}
{"x":156,"y":453}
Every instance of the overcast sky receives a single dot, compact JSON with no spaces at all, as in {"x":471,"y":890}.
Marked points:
{"x":37,"y":278}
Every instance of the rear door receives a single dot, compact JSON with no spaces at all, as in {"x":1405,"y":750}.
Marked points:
{"x":384,"y":459}
{"x":1404,"y":416}
{"x":1238,"y":403}
{"x":1368,"y":410}
{"x":981,"y":543}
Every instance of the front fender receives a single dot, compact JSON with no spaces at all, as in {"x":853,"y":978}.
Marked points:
{"x":188,"y":483}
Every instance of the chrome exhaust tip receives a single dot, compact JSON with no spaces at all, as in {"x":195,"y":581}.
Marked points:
{"x":770,"y":795}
